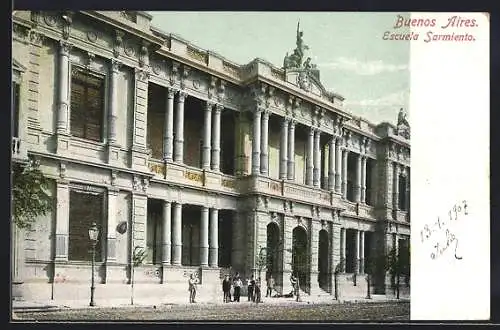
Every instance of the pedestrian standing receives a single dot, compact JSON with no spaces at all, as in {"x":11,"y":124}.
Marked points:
{"x":193,"y":282}
{"x":257,"y":291}
{"x":237,"y":288}
{"x":250,"y":288}
{"x":293,"y":281}
{"x":226,"y":287}
{"x":270,"y":286}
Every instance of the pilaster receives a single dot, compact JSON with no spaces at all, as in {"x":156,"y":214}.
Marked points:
{"x":62,"y":220}
{"x":112,"y":222}
{"x":139,"y":153}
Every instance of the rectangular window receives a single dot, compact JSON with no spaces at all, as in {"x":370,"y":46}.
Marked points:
{"x":87,"y":105}
{"x":84,"y":209}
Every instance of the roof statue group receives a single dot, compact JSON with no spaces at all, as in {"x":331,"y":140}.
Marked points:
{"x":403,"y":127}
{"x":306,"y":72}
{"x":296,"y":62}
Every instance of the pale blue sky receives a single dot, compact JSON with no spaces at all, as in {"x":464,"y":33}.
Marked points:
{"x":354,"y":61}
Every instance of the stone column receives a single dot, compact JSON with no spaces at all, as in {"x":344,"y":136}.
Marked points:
{"x":362,"y":252}
{"x":111,"y":232}
{"x":395,"y":198}
{"x":331,"y":164}
{"x":207,"y":131}
{"x":62,"y":221}
{"x":204,"y":237}
{"x":179,"y":129}
{"x":310,"y":159}
{"x":357,"y":188}
{"x":357,"y":255}
{"x":338,"y":166}
{"x":214,"y":238}
{"x":256,"y":141}
{"x":177,"y":235}
{"x":167,"y":233}
{"x":216,"y":138}
{"x":168,"y":139}
{"x":113,"y":101}
{"x":284,"y":149}
{"x":291,"y":151}
{"x":342,"y":248}
{"x":64,"y":82}
{"x":317,"y":160}
{"x":345,"y":154}
{"x":264,"y":144}
{"x":363,"y":179}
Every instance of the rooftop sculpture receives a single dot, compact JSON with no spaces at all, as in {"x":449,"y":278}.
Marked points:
{"x":403,"y":127}
{"x":296,"y":63}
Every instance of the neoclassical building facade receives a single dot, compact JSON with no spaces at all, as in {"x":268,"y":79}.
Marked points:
{"x":208,"y":166}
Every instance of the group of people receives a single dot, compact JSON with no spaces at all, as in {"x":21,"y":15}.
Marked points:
{"x":254,"y":288}
{"x":235,"y":284}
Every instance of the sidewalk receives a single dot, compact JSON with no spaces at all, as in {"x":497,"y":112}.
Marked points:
{"x":56,"y":305}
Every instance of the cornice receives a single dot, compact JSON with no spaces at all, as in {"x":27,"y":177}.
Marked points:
{"x":115,"y":23}
{"x":88,"y":163}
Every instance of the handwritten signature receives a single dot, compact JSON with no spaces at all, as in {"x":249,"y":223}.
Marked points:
{"x":436,"y":230}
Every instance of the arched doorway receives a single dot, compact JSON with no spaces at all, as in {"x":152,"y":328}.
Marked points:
{"x":273,"y":251}
{"x":300,"y":257}
{"x":323,"y":261}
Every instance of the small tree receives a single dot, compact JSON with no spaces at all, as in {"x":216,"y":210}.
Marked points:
{"x":393,"y":265}
{"x":138,"y":257}
{"x":261,"y":262}
{"x":29,"y":197}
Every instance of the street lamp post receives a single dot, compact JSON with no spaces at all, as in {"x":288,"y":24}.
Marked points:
{"x":93,"y":235}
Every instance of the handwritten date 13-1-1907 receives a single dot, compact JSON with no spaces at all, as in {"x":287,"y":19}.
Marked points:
{"x":435,"y":232}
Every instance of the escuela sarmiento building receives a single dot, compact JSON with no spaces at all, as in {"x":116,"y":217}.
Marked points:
{"x":205,"y":164}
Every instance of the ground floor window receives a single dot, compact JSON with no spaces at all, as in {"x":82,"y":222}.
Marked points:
{"x":84,"y":209}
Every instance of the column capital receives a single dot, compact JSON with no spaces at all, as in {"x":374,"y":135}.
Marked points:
{"x":265,"y":114}
{"x":292,"y":122}
{"x":141,"y":74}
{"x":182,"y":95}
{"x":259,"y":109}
{"x":115,"y":65}
{"x":218,"y":107}
{"x":65,"y":47}
{"x":171,"y":92}
{"x":209,"y":105}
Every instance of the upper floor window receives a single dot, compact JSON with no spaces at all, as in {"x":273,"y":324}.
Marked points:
{"x":87,"y":105}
